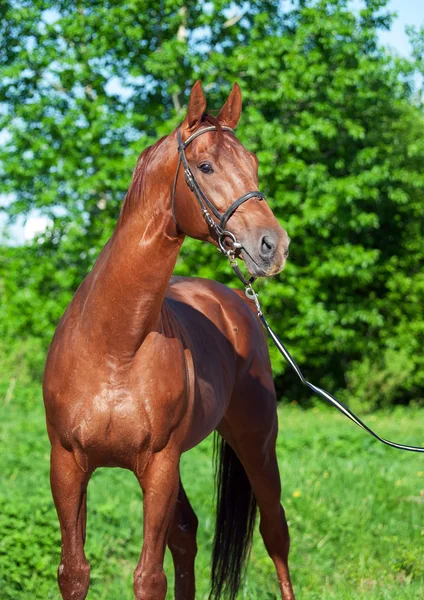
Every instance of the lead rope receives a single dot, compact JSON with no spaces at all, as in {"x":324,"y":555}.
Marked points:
{"x":253,"y":296}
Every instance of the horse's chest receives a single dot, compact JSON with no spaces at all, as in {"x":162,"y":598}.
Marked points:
{"x":139,"y":409}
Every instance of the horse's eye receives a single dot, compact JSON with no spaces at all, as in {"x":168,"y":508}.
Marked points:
{"x":205,"y":167}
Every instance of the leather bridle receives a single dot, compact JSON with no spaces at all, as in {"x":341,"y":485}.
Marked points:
{"x":227,"y":241}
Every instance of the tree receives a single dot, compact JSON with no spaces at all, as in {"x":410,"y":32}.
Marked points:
{"x":330,"y":114}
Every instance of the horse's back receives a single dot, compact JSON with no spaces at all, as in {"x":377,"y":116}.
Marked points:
{"x":211,"y":309}
{"x":223,"y":323}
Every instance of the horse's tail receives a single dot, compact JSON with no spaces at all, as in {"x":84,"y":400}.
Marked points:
{"x":235,"y":521}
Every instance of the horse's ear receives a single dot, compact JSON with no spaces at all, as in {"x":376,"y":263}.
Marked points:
{"x":196,"y":107}
{"x":230,"y":113}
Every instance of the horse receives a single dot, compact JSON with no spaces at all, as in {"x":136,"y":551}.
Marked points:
{"x":143,"y":366}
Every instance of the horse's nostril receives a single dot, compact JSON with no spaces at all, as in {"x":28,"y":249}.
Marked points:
{"x":266,"y":244}
{"x":267,"y":247}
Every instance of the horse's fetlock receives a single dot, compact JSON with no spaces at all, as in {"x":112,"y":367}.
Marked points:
{"x":74,"y":579}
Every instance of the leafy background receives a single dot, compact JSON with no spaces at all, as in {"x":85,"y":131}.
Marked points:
{"x":335,"y":119}
{"x":337,"y":122}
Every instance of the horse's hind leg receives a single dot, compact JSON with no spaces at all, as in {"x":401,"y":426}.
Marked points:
{"x":182,"y":543}
{"x":251,"y":427}
{"x":160,"y":483}
{"x":273,"y":525}
{"x":69,"y":485}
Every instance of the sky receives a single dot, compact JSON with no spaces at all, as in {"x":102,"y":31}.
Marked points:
{"x":409,"y":12}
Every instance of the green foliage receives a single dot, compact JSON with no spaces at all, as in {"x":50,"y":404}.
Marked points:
{"x":354,"y":510}
{"x":378,"y":383}
{"x":334,"y":119}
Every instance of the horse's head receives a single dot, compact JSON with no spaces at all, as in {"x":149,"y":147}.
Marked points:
{"x":224,"y":172}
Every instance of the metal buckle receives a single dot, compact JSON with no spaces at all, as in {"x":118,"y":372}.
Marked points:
{"x":189,"y":179}
{"x":209,"y":220}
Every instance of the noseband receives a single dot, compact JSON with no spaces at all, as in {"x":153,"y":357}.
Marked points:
{"x":227,"y":241}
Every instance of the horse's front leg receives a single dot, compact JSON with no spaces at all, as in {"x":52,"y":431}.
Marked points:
{"x":69,"y":483}
{"x":160,"y":483}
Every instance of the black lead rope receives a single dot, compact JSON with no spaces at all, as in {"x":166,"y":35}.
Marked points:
{"x":251,"y":294}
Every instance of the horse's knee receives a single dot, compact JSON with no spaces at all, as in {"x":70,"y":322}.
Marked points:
{"x":150,"y":584}
{"x":73,"y":579}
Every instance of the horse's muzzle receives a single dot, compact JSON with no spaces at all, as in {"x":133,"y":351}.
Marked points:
{"x":265,"y":255}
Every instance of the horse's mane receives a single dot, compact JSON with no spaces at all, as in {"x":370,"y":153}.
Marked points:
{"x":138,"y":177}
{"x":136,"y":188}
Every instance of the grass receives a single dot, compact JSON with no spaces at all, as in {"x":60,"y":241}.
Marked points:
{"x":355,"y":510}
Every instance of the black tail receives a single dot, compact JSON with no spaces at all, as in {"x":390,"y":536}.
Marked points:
{"x":235,"y":521}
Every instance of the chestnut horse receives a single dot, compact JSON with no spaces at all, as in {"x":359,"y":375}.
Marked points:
{"x":143,"y":367}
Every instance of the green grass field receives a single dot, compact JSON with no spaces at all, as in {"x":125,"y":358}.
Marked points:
{"x":355,"y":509}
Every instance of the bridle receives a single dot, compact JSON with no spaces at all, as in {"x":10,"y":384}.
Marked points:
{"x":228,"y":245}
{"x":227,"y":241}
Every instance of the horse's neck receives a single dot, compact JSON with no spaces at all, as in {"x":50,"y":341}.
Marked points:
{"x":123,"y":295}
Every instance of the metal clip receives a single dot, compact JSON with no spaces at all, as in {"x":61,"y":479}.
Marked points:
{"x":231,"y":257}
{"x":252,"y":295}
